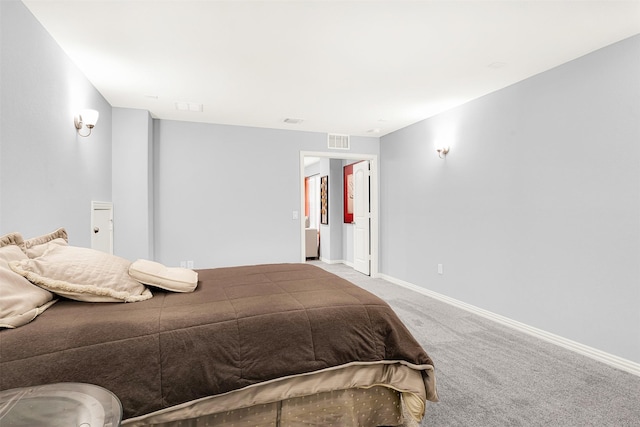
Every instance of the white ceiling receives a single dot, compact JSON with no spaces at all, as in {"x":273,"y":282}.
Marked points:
{"x":347,"y":67}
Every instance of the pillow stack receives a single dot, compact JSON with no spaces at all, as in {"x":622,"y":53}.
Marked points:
{"x":82,"y":274}
{"x":34,"y":271}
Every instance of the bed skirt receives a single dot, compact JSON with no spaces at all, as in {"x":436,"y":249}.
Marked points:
{"x":355,"y":395}
{"x":358,"y":407}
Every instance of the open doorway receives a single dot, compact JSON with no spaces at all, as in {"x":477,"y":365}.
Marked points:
{"x":336,"y":221}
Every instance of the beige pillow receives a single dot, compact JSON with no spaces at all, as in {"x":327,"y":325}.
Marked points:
{"x":20,"y":301}
{"x":10,"y":253}
{"x":36,"y":246}
{"x":83,"y":274}
{"x":170,"y":278}
{"x":38,"y":250}
{"x":12,"y":239}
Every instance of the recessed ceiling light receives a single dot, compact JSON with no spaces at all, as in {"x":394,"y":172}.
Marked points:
{"x":374,"y":130}
{"x":293,"y":121}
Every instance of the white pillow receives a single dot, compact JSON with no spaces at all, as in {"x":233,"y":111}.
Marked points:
{"x":170,"y":278}
{"x":82,"y":274}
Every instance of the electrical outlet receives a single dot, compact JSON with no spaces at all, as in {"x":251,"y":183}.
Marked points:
{"x":183,"y":264}
{"x":440,"y":269}
{"x":189,"y":264}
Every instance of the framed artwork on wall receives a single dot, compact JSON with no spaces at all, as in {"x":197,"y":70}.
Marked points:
{"x":324,"y":200}
{"x":348,"y":194}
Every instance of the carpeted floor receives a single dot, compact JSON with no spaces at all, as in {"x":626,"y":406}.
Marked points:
{"x":492,"y":375}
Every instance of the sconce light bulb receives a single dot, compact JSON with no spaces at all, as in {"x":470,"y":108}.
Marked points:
{"x":77,"y":120}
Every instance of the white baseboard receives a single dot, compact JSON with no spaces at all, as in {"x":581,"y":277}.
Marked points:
{"x":336,"y":261}
{"x":601,"y":356}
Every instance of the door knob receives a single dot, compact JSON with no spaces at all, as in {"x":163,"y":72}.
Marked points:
{"x":96,"y":229}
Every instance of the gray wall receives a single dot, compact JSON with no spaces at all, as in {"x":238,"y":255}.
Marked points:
{"x":48,"y":174}
{"x":132,"y":153}
{"x":224,"y":195}
{"x":535,"y":213}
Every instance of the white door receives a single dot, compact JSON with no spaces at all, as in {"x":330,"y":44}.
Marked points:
{"x":102,"y":226}
{"x":361,"y":218}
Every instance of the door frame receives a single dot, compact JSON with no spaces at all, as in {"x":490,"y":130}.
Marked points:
{"x":374,"y":188}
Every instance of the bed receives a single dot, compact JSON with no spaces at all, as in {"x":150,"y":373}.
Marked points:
{"x":277,"y":344}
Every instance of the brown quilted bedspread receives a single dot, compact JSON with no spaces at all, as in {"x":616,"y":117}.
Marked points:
{"x":241,"y":326}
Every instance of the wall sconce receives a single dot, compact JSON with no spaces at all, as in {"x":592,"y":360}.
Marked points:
{"x":86,"y":118}
{"x":442,"y":152}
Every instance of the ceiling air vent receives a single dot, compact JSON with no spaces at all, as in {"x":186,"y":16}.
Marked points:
{"x":189,"y":106}
{"x":338,"y":142}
